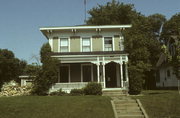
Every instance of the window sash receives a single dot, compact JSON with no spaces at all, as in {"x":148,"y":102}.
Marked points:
{"x":86,"y":48}
{"x":108,"y":46}
{"x":64,"y":45}
{"x":64,"y":42}
{"x":86,"y":45}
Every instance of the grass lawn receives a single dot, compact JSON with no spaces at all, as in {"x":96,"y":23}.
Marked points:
{"x":161,"y":103}
{"x":56,"y":107}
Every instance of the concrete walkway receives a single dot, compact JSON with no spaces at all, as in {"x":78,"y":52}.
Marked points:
{"x":124,"y":106}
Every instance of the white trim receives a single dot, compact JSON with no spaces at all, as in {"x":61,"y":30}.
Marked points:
{"x":89,"y":55}
{"x":91,"y":44}
{"x":98,"y":64}
{"x":112,"y":42}
{"x":58,"y":44}
{"x":87,"y":27}
{"x":103,"y":43}
{"x":51,"y":43}
{"x":69,"y":44}
{"x":113,"y":48}
{"x":104,"y":73}
{"x":80,"y":44}
{"x":68,"y":38}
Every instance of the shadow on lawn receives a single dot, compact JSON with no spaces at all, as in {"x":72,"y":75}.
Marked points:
{"x":154,"y":93}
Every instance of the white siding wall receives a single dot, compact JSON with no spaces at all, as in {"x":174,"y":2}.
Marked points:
{"x":170,"y":81}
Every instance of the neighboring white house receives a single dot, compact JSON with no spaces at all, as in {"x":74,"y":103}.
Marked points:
{"x":89,"y":54}
{"x":26,"y":80}
{"x":165,"y":76}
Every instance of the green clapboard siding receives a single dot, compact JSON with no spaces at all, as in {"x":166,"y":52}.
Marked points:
{"x":55,"y":45}
{"x":116,"y":43}
{"x":75,"y":45}
{"x":97,"y":44}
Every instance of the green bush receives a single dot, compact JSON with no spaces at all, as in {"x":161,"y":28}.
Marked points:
{"x":58,"y":93}
{"x":77,"y":92}
{"x":135,"y":81}
{"x":47,"y":75}
{"x":93,"y":88}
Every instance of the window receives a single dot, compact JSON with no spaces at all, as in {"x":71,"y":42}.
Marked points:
{"x":108,"y":44}
{"x":168,"y":73}
{"x":86,"y":45}
{"x":64,"y":45}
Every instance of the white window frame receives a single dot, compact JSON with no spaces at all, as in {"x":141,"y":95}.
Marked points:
{"x":81,"y":43}
{"x":104,"y":42}
{"x":59,"y":43}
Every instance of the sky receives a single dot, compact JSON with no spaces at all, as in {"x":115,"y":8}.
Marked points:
{"x":20,"y":20}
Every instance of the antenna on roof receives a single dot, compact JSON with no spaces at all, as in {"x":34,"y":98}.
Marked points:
{"x":85,"y":11}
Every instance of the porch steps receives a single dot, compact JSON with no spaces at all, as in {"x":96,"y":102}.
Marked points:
{"x":126,"y":107}
{"x":123,"y":105}
{"x":114,"y":93}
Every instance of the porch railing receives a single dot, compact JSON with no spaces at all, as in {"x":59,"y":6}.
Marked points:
{"x":71,"y":85}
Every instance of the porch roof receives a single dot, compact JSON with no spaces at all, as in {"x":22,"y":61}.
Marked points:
{"x":89,"y":53}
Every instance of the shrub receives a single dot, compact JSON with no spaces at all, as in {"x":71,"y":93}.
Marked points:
{"x":47,"y":75}
{"x":77,"y":92}
{"x":136,"y":81}
{"x":58,"y":93}
{"x":93,"y":88}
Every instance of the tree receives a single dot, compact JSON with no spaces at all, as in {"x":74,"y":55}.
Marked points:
{"x":10,"y":67}
{"x":31,"y":69}
{"x":140,"y":41}
{"x":172,"y":30}
{"x":112,"y":13}
{"x":46,"y":76}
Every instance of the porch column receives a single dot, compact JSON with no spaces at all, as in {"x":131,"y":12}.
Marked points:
{"x":121,"y":72}
{"x":98,"y":73}
{"x":97,"y":64}
{"x":104,"y":75}
{"x":126,"y":68}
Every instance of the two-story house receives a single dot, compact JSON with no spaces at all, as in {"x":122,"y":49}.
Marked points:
{"x":89,"y":54}
{"x":165,"y":76}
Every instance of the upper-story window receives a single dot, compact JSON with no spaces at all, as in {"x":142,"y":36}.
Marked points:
{"x":108,"y":45}
{"x":64,"y":45}
{"x":86,"y":45}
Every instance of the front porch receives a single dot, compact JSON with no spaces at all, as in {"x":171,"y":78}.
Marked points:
{"x":109,"y":70}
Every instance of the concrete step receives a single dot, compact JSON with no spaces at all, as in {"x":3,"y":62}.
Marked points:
{"x":131,"y":116}
{"x":125,"y":101}
{"x":113,"y":95}
{"x":127,"y":108}
{"x":127,"y":105}
{"x":130,"y":113}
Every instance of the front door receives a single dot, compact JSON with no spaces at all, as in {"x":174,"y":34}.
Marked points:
{"x":111,"y":78}
{"x":86,"y":73}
